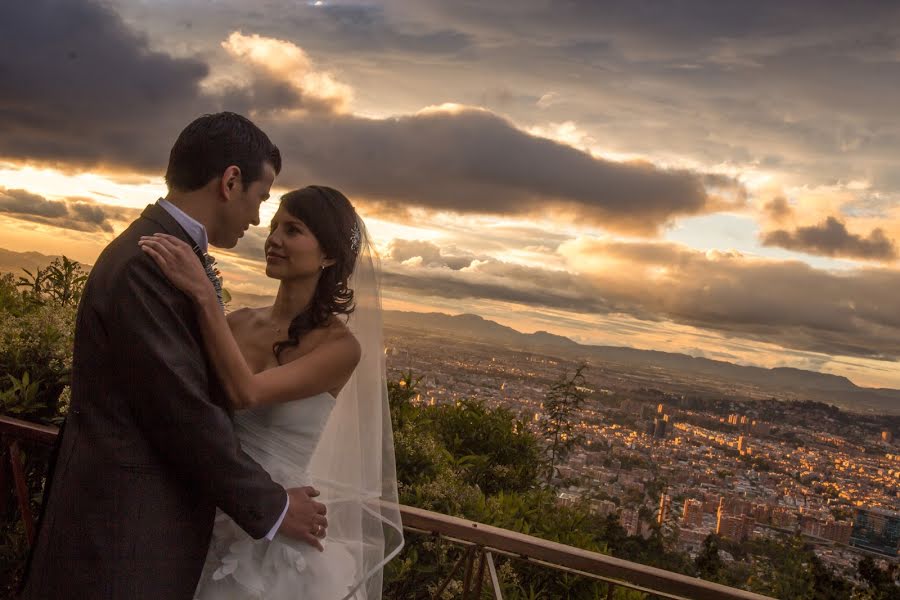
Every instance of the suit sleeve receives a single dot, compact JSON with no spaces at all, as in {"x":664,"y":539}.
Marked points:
{"x":164,"y":363}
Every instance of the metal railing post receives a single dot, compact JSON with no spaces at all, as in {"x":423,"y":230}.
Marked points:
{"x":495,"y":582}
{"x":18,"y":473}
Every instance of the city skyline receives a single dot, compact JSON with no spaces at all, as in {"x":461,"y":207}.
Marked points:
{"x":715,"y":180}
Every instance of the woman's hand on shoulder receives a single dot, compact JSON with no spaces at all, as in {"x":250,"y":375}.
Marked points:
{"x":177,"y":261}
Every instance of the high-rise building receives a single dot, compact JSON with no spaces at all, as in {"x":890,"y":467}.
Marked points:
{"x":784,"y":518}
{"x":692,"y":516}
{"x":762,"y":513}
{"x":829,"y":530}
{"x":602,"y":508}
{"x":838,"y":531}
{"x":665,"y":504}
{"x":887,"y":436}
{"x":659,"y":428}
{"x":876,"y":530}
{"x":630,"y":520}
{"x":734,"y":528}
{"x":742,"y":444}
{"x":733,"y":505}
{"x":760,"y":428}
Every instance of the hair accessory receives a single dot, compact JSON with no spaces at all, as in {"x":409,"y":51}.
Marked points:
{"x":354,"y":237}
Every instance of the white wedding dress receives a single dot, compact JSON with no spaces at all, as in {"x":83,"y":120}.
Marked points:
{"x":282,"y":439}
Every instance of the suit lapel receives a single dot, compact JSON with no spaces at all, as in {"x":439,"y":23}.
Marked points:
{"x":160,"y":216}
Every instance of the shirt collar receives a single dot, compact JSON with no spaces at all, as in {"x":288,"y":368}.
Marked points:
{"x":194,"y":228}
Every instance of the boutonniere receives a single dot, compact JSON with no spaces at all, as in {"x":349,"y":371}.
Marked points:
{"x":215,"y":277}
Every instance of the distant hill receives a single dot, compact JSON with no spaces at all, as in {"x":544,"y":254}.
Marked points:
{"x":14,"y":262}
{"x":824,"y":387}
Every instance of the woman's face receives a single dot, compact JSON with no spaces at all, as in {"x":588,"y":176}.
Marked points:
{"x":291,"y":248}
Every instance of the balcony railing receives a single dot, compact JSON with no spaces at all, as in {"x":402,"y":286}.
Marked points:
{"x":483,"y":542}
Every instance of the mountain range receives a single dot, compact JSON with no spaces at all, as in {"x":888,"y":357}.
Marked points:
{"x":798,"y":383}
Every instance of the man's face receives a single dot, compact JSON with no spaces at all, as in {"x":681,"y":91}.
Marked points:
{"x":242,"y":208}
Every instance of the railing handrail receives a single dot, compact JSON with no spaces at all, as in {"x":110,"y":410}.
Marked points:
{"x":553,"y":554}
{"x":570,"y":557}
{"x":27,"y":431}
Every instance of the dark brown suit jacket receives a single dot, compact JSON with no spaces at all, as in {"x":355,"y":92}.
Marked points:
{"x":148,"y":449}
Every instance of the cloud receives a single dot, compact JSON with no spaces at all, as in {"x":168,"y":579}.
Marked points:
{"x":75,"y":213}
{"x":778,"y":209}
{"x":84,"y":89}
{"x":282,"y":78}
{"x":429,"y":254}
{"x":97,"y":94}
{"x":473,"y":161}
{"x":831,"y":238}
{"x":371,"y":28}
{"x":789,"y":304}
{"x":493,"y":280}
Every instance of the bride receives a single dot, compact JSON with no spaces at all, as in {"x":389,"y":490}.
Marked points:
{"x":307,"y":378}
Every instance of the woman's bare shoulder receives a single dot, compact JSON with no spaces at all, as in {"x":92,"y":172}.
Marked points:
{"x":339,"y":332}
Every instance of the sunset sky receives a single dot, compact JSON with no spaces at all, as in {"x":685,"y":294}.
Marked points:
{"x":715,"y":178}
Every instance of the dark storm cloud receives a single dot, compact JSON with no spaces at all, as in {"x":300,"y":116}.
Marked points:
{"x":474,"y":161}
{"x":89,"y":90}
{"x":82,"y":88}
{"x":808,"y":86}
{"x":831,"y":238}
{"x":73,"y":213}
{"x":85,"y":89}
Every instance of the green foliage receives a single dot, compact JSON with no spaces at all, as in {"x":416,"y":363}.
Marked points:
{"x":877,"y":584}
{"x":490,"y":446}
{"x":708,"y":561}
{"x":483,"y":464}
{"x":37,"y":323}
{"x":36,"y":336}
{"x":61,"y":282}
{"x":22,"y":396}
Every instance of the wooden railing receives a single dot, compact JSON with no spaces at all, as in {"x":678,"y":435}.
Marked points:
{"x":483,"y":542}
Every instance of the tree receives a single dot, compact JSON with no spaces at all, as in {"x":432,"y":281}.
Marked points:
{"x":708,"y":561}
{"x":563,"y":399}
{"x":879,"y":584}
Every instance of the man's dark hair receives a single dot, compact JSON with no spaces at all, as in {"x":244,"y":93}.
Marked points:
{"x":211,"y":144}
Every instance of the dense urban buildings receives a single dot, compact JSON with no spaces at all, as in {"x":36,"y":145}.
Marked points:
{"x":657,"y":455}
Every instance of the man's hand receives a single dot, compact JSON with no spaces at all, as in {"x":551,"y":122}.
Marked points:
{"x":305,"y":519}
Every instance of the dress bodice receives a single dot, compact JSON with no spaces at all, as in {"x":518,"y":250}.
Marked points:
{"x":286,"y":434}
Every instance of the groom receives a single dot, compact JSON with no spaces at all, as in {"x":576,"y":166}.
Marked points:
{"x":148,"y":450}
